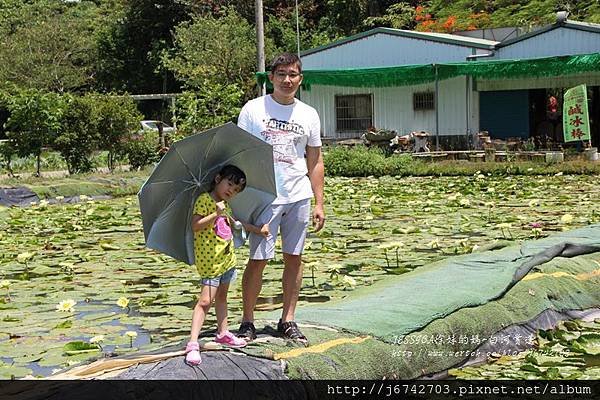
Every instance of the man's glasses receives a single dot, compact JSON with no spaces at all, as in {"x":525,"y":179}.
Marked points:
{"x":281,"y":75}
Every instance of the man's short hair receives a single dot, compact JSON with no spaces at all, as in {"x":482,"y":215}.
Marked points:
{"x":286,"y":59}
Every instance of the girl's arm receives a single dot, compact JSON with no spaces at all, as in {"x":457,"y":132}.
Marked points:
{"x":259,"y":230}
{"x":200,"y":222}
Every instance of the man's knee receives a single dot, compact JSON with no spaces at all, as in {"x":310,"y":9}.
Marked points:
{"x":256,"y":265}
{"x":292,"y":260}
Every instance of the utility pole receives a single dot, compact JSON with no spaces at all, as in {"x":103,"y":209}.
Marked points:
{"x":297,"y":29}
{"x":260,"y":42}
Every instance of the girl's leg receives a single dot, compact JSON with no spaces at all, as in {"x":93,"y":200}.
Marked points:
{"x":202,"y":306}
{"x":207,"y":296}
{"x":223,"y":335}
{"x":221,"y":308}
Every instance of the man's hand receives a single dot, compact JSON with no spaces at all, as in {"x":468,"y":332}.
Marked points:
{"x":220,"y":209}
{"x":318,"y":218}
{"x":264,"y":230}
{"x":316,"y":174}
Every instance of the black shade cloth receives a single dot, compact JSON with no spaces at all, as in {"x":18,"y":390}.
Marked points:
{"x":19,"y":196}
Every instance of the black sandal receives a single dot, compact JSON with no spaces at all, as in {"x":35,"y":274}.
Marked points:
{"x":247,"y":331}
{"x":290,"y":330}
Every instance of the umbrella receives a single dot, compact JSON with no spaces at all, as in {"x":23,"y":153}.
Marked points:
{"x":187,"y":169}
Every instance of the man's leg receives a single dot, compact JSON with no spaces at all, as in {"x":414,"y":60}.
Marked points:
{"x":251,"y":286}
{"x":294,"y":224}
{"x":292,"y":282}
{"x":261,"y":250}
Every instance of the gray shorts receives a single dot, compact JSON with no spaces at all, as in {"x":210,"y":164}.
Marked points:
{"x":227,"y":277}
{"x":291,"y":219}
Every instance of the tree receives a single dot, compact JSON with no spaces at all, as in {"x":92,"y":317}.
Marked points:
{"x":47,"y":47}
{"x":213,"y":52}
{"x":212,"y":104}
{"x":34,"y":122}
{"x":347,"y":15}
{"x":220,"y":49}
{"x":79,"y":135}
{"x":7,"y":150}
{"x":476,"y":14}
{"x":282,"y":30}
{"x":399,"y":16}
{"x":118,"y":119}
{"x":129,"y":48}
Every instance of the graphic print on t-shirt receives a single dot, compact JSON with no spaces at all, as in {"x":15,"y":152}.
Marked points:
{"x":283,"y":136}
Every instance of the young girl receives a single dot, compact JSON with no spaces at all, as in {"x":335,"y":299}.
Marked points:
{"x":215,"y":258}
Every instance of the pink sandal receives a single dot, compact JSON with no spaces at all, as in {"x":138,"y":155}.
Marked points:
{"x":229,"y":339}
{"x":192,"y":356}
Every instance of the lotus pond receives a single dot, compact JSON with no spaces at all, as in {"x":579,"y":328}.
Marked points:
{"x":77,"y":282}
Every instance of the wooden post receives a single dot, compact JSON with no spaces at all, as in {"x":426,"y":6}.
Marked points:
{"x":161,"y":135}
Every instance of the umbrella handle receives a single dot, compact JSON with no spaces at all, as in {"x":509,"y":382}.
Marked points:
{"x":237,"y":225}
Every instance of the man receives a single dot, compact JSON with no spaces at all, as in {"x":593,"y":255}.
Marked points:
{"x":294,"y":130}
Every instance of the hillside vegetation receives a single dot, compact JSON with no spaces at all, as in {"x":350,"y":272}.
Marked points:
{"x":143,"y":46}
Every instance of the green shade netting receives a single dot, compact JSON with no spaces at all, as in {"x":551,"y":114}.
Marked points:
{"x":537,"y":67}
{"x":377,"y":77}
{"x":399,"y":305}
{"x":417,"y":74}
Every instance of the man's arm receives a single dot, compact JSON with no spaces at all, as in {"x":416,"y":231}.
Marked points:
{"x":316,"y":174}
{"x":244,"y":119}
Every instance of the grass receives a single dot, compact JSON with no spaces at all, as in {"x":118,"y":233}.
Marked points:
{"x":339,"y":161}
{"x":50,"y":161}
{"x":362,"y":161}
{"x":122,"y":183}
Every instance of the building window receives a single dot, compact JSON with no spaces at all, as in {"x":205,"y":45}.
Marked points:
{"x":423,"y":101}
{"x":353,"y":112}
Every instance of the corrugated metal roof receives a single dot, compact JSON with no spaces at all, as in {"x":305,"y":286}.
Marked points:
{"x":431,"y":36}
{"x":466,"y":40}
{"x":457,"y":39}
{"x":584,"y":26}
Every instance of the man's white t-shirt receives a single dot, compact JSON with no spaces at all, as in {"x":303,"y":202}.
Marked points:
{"x":289,"y":129}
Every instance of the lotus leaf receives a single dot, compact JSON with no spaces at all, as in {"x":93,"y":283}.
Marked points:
{"x":588,"y":344}
{"x":79,"y":347}
{"x":544,"y":360}
{"x":13,"y":371}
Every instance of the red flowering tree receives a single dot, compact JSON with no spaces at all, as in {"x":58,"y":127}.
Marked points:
{"x":426,"y":22}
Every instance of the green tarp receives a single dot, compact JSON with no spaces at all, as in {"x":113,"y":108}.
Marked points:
{"x":417,"y":74}
{"x":398,"y":305}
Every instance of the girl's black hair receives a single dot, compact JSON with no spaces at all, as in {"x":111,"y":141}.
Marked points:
{"x":234,"y":174}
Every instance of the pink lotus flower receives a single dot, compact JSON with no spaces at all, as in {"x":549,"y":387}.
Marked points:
{"x":222,"y":228}
{"x":535,"y":224}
